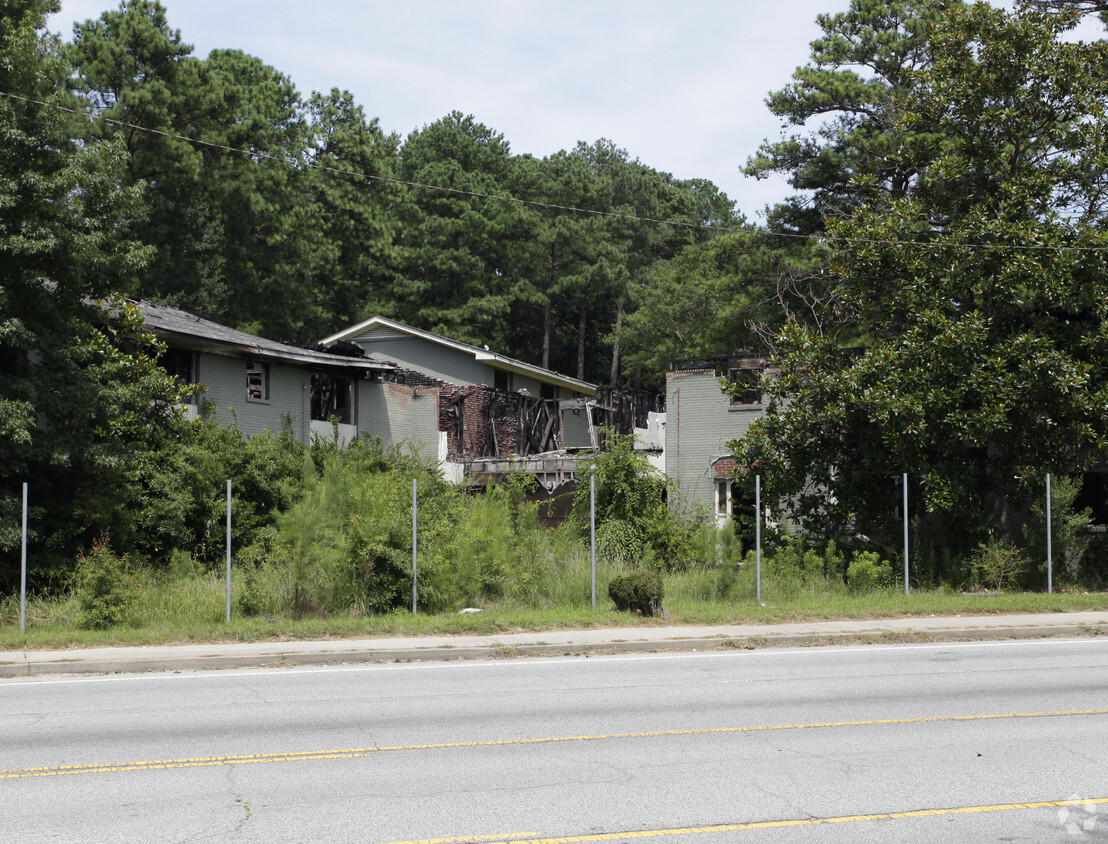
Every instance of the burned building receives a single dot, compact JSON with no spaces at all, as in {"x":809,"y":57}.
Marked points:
{"x":479,"y":413}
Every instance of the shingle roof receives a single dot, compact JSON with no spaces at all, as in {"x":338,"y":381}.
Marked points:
{"x":484,"y":355}
{"x":190,"y":331}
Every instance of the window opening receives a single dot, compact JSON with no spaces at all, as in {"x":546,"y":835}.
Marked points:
{"x":332,"y":397}
{"x":181,"y":366}
{"x":747,"y":387}
{"x":257,"y":381}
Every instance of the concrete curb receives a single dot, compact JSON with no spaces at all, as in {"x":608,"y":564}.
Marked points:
{"x":134,"y":660}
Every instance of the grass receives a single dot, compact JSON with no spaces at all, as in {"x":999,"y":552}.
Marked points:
{"x":192,"y":609}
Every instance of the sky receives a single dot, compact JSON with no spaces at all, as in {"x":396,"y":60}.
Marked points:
{"x":680,"y":85}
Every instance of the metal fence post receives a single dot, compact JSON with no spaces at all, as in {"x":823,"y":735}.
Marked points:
{"x":23,"y":570}
{"x":758,"y":536}
{"x":228,"y":618}
{"x":1049,"y":554}
{"x":904,"y":483}
{"x":592,"y":533}
{"x":414,"y":536}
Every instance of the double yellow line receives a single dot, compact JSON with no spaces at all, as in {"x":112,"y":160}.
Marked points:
{"x":357,"y":752}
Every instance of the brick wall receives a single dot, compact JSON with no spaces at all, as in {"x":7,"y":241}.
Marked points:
{"x":725,"y":467}
{"x":473,"y":415}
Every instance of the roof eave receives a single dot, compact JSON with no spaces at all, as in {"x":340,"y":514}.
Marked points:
{"x":546,"y":376}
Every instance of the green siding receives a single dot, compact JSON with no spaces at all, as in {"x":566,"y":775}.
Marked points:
{"x":400,"y":415}
{"x":429,"y":358}
{"x":225,"y":378}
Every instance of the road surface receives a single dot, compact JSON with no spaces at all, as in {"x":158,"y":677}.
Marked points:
{"x":987,"y":741}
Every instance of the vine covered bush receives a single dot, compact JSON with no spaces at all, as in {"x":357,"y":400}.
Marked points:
{"x":635,"y":527}
{"x":640,"y":591}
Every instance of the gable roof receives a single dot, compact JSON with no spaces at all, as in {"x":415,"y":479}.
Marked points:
{"x":496,"y":361}
{"x":189,"y":331}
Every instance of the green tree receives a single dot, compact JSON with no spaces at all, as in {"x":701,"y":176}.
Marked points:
{"x":352,"y":270}
{"x":1084,"y":6}
{"x":453,"y":250}
{"x":982,"y":292}
{"x":735,"y":292}
{"x":633,"y":523}
{"x":640,"y":198}
{"x":261,"y":199}
{"x":583,"y":268}
{"x":81,"y":397}
{"x":867,"y":58}
{"x":571,"y":260}
{"x":219,"y":143}
{"x":133,"y":68}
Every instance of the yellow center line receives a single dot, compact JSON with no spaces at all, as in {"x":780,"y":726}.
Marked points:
{"x":355,"y":752}
{"x":736,"y":827}
{"x":468,"y":839}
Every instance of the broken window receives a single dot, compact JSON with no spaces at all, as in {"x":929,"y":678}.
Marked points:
{"x":181,"y":366}
{"x":332,"y":398}
{"x":502,"y":380}
{"x":747,"y":389}
{"x":257,"y":381}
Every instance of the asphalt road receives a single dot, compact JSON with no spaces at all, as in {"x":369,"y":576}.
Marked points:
{"x":954,"y":741}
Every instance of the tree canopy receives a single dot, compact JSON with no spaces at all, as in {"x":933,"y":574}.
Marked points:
{"x":866,"y":60}
{"x":982,"y":292}
{"x":294,"y":217}
{"x":80,"y":394}
{"x":949,"y":161}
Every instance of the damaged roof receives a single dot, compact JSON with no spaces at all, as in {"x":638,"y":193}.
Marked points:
{"x":189,"y":331}
{"x":484,"y":355}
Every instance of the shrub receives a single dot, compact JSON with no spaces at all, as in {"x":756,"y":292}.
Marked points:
{"x":670,"y":540}
{"x":638,"y":590}
{"x":627,"y":486}
{"x":997,"y":565}
{"x":181,"y":498}
{"x":792,"y":560}
{"x":106,"y":587}
{"x":632,"y":493}
{"x":346,"y":542}
{"x":619,"y":543}
{"x":1069,"y":540}
{"x":834,"y":563}
{"x":867,"y":572}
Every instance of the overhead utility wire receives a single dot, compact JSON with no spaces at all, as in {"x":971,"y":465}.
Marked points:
{"x":369,"y":177}
{"x":322,"y":167}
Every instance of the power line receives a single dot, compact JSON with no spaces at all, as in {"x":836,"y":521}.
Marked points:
{"x":554,"y":206}
{"x":368,"y":176}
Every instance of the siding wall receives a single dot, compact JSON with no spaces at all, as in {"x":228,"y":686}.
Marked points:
{"x":699,"y":422}
{"x":431,"y":359}
{"x":400,"y":415}
{"x":534,"y":386}
{"x":225,"y":378}
{"x":443,"y":363}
